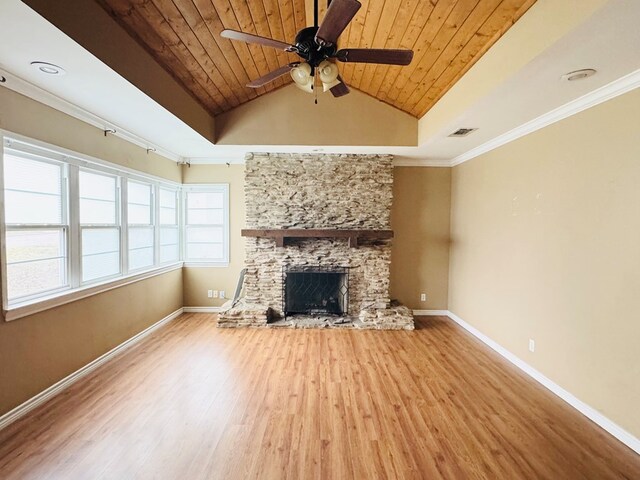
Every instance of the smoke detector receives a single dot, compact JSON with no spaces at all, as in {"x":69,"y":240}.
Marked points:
{"x":578,"y":75}
{"x":462,"y":132}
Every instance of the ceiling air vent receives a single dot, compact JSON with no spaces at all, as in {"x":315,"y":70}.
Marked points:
{"x":462,"y":132}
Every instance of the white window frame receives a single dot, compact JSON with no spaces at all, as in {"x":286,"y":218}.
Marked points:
{"x":73,"y":162}
{"x":152,"y":225}
{"x":64,"y":226}
{"x":206,"y":188}
{"x":118,"y":225}
{"x":177,"y":225}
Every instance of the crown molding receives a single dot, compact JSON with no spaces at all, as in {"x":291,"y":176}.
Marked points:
{"x":421,"y":162}
{"x":607,"y":92}
{"x":38,"y":94}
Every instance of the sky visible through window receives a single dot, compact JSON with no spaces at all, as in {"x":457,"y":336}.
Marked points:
{"x":36,"y":236}
{"x":70,"y":223}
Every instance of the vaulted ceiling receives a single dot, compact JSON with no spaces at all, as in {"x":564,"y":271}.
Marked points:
{"x":447,"y":37}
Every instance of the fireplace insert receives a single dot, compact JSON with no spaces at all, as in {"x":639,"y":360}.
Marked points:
{"x":315,"y":290}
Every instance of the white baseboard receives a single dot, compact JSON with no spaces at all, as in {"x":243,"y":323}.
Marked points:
{"x":588,"y":411}
{"x":201,"y":309}
{"x":430,"y":313}
{"x":21,"y":410}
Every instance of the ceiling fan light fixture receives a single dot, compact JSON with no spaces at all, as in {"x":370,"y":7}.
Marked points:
{"x":327,"y":71}
{"x":328,"y":86}
{"x":301,"y":75}
{"x":328,"y":74}
{"x":308,"y":87}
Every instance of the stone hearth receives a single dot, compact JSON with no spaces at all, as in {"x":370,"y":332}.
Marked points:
{"x":318,"y":192}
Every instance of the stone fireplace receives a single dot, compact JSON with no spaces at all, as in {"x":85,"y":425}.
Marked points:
{"x":344,"y":274}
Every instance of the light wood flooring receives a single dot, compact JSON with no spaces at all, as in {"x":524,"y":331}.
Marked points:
{"x":196,"y":402}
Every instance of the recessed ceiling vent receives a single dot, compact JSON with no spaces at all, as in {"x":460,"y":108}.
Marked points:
{"x":462,"y":132}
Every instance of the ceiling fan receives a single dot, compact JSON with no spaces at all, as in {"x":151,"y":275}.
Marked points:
{"x":317,"y":46}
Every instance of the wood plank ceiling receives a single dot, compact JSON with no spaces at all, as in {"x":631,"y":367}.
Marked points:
{"x":447,"y":36}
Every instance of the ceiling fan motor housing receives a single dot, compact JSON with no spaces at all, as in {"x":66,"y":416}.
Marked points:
{"x":310,"y":50}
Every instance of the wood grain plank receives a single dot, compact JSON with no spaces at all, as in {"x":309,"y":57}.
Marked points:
{"x":236,"y":53}
{"x":259,"y":19}
{"x":253,"y":62}
{"x":503,"y":18}
{"x":195,"y":401}
{"x":411,"y":16}
{"x":210,"y":80}
{"x":353,"y":40}
{"x":207,"y":31}
{"x":386,"y":25}
{"x":422,"y":30}
{"x":173,"y":19}
{"x":139,"y":29}
{"x":374,"y":13}
{"x":275,"y":25}
{"x":300,"y":14}
{"x":288,"y":20}
{"x":462,"y":36}
{"x":440,"y":28}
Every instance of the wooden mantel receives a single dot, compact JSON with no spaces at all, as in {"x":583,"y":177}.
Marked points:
{"x":353,"y":235}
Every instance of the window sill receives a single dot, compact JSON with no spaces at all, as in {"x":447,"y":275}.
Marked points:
{"x":206,"y":264}
{"x":29,"y":308}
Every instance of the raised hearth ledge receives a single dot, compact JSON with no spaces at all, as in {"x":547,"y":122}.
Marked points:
{"x":353,"y":235}
{"x":243,"y":314}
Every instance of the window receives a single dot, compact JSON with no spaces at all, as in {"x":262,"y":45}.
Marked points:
{"x":169,"y":230}
{"x":141,"y":230}
{"x":36,"y":226}
{"x":73,"y":226}
{"x":206,"y":224}
{"x":99,"y":225}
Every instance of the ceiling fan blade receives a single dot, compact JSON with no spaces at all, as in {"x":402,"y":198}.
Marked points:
{"x":341,"y":89}
{"x":338,"y":16}
{"x":271,"y":76}
{"x":250,"y":38}
{"x":375,"y":55}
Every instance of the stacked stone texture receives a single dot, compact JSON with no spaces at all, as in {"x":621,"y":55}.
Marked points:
{"x":319,"y":191}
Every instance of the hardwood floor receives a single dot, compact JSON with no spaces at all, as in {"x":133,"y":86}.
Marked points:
{"x":196,"y":402}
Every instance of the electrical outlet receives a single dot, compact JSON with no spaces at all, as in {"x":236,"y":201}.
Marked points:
{"x":423,"y":297}
{"x":215,"y":294}
{"x":532,"y":345}
{"x":210,"y":293}
{"x":221,"y":293}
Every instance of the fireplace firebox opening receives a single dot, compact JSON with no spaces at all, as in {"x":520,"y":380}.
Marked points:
{"x":315,"y":290}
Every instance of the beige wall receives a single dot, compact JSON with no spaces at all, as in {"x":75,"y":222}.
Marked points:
{"x":22,"y":115}
{"x":197,"y":280}
{"x":546,"y":245}
{"x":288,"y":116}
{"x":420,"y":221}
{"x":41,"y":349}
